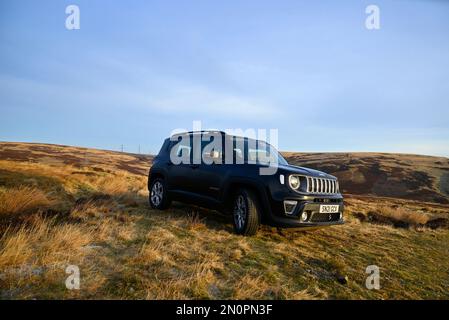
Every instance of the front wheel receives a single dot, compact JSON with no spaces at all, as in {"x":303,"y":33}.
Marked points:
{"x":246,"y":212}
{"x":158,"y":195}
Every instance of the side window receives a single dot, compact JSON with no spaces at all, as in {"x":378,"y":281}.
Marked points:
{"x":252,"y":155}
{"x":239,"y":151}
{"x":181,"y":151}
{"x":212,"y":149}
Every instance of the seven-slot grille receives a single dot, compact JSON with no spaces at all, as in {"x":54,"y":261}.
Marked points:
{"x":321,"y":185}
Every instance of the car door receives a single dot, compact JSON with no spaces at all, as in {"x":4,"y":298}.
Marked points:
{"x":210,"y":173}
{"x":180,"y":175}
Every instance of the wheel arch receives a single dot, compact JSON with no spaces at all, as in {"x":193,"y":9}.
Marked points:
{"x":154,"y":175}
{"x":254,"y":186}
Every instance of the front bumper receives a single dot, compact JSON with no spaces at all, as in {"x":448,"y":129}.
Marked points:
{"x":311,"y":205}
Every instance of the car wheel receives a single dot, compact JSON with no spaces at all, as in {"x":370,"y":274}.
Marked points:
{"x":246,"y":212}
{"x":158,"y":195}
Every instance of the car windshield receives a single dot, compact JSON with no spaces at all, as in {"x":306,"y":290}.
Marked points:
{"x":258,"y":152}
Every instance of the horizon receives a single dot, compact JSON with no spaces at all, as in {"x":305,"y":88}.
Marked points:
{"x":281,"y":151}
{"x":134,"y":72}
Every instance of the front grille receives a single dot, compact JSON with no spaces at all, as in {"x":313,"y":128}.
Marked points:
{"x":322,"y":185}
{"x":325,"y":217}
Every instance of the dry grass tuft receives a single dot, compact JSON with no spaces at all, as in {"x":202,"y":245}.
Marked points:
{"x":236,"y":254}
{"x":23,"y":200}
{"x":256,"y":287}
{"x":194,"y":220}
{"x":92,"y":209}
{"x":44,"y":243}
{"x":399,"y":216}
{"x":250,"y":287}
{"x":118,"y":184}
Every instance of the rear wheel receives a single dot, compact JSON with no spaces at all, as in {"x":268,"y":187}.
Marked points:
{"x":158,"y":195}
{"x":246,"y":212}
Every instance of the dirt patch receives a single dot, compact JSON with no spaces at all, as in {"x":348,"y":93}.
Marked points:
{"x":438,"y":223}
{"x":128,"y":166}
{"x":380,"y":219}
{"x":15,"y":155}
{"x":444,"y":184}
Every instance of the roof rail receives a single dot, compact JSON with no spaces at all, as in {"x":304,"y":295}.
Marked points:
{"x":201,"y":131}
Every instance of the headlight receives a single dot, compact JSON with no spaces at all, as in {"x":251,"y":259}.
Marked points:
{"x":294,"y":182}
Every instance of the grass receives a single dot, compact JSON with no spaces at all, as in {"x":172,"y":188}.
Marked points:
{"x":100,"y":221}
{"x":402,"y":215}
{"x":23,"y":199}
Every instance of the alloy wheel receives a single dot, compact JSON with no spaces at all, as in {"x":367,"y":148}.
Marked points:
{"x":157,"y":192}
{"x":240,"y":212}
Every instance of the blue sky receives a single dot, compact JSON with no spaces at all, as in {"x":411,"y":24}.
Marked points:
{"x":136,"y":70}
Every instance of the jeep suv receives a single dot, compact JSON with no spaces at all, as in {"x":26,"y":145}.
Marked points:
{"x":225,"y":172}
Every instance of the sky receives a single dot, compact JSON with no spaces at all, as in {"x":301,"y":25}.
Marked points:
{"x":137,"y":70}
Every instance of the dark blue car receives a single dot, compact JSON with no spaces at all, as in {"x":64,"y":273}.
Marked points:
{"x":244,"y":177}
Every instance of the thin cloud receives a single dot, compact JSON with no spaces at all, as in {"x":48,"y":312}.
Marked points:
{"x":202,"y":100}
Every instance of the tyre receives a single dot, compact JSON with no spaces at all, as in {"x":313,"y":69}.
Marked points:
{"x":246,"y":212}
{"x":158,"y":197}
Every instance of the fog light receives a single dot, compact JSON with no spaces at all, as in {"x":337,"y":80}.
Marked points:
{"x":289,"y":206}
{"x":304,"y":216}
{"x":341,"y":215}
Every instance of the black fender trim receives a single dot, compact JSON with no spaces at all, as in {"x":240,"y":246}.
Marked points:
{"x":253,"y":184}
{"x":153,"y":173}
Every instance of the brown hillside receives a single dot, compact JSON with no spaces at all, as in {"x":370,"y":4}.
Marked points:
{"x":404,"y":176}
{"x":100,"y":160}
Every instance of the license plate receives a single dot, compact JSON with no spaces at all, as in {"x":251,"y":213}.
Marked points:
{"x":328,"y":208}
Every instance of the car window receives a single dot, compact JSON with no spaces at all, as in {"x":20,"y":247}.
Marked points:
{"x":239,"y":150}
{"x":211,"y":150}
{"x":164,"y":147}
{"x":256,"y":154}
{"x":252,"y":151}
{"x":238,"y":153}
{"x":183,"y":151}
{"x":183,"y":148}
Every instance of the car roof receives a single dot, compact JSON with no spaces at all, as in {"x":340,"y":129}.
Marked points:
{"x":198,"y":132}
{"x":215,"y":132}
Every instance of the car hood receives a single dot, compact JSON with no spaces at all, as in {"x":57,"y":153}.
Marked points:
{"x":306,"y":171}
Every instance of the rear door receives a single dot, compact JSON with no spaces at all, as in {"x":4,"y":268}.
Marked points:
{"x":210,"y":174}
{"x":181,"y":174}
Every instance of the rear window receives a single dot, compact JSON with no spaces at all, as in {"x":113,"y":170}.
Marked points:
{"x":164,"y":147}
